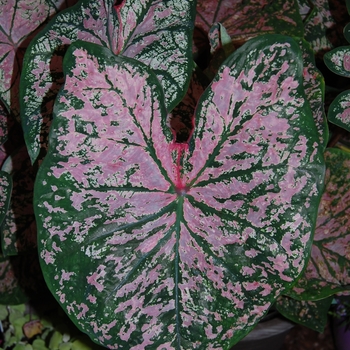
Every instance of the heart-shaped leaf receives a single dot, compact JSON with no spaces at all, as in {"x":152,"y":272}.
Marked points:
{"x":157,"y":33}
{"x":148,"y":243}
{"x":328,"y":271}
{"x":20,"y":20}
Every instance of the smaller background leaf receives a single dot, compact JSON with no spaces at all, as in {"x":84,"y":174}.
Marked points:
{"x":338,"y":61}
{"x":311,"y":314}
{"x":339,"y":110}
{"x":314,"y":87}
{"x":324,"y":26}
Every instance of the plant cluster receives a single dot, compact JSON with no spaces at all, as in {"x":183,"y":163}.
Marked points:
{"x":165,"y":169}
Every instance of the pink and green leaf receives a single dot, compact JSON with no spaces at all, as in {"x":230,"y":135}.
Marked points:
{"x":324,"y":26}
{"x":338,"y":60}
{"x":339,"y":110}
{"x":247,"y":19}
{"x":20,"y":20}
{"x":148,"y":243}
{"x":314,"y":87}
{"x":312,"y":314}
{"x":157,"y":33}
{"x":304,"y":8}
{"x":328,"y":271}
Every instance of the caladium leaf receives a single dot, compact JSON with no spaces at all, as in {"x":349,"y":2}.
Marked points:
{"x":338,"y":60}
{"x":18,"y":232}
{"x":314,"y":87}
{"x":324,"y":26}
{"x":157,"y":33}
{"x":339,"y":110}
{"x":328,"y":271}
{"x":311,"y":314}
{"x":148,"y":243}
{"x":20,"y":20}
{"x":247,"y":19}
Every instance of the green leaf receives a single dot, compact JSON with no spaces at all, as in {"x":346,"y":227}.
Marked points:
{"x":338,"y":61}
{"x":324,"y":25}
{"x":20,"y":20}
{"x":157,"y":33}
{"x":314,"y":87}
{"x":151,"y":243}
{"x":311,"y":314}
{"x":328,"y":271}
{"x":339,"y":110}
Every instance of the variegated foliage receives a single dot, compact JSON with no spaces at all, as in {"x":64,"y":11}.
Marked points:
{"x":20,"y":20}
{"x":328,"y":271}
{"x":312,"y":314}
{"x":338,"y":61}
{"x":148,"y":243}
{"x":324,"y":25}
{"x":314,"y":87}
{"x":156,"y":33}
